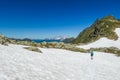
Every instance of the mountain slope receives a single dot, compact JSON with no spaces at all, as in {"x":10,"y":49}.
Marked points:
{"x":104,"y":42}
{"x":56,"y":64}
{"x":103,"y":27}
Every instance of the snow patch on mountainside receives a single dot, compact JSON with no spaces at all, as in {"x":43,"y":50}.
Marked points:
{"x":17,"y":63}
{"x":104,"y":42}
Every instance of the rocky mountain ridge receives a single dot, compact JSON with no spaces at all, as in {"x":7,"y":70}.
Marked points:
{"x":103,"y":27}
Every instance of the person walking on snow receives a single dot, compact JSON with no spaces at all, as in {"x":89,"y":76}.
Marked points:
{"x":91,"y":54}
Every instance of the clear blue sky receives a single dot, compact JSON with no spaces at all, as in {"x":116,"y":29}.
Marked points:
{"x":50,"y":18}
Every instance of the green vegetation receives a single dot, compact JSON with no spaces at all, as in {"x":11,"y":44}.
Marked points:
{"x":103,"y":27}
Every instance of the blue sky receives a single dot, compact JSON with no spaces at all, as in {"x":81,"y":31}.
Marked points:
{"x":50,"y":18}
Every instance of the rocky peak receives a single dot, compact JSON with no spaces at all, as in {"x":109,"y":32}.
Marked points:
{"x":103,"y":27}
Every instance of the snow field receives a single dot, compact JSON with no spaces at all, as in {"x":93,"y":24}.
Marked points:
{"x":17,"y":63}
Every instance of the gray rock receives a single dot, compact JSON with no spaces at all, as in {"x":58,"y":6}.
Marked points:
{"x":33,"y":49}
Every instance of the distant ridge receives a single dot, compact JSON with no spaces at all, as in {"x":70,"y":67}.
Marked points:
{"x":25,"y":39}
{"x":45,"y":40}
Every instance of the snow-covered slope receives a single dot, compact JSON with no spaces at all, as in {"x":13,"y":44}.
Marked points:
{"x":17,"y":63}
{"x":104,"y":42}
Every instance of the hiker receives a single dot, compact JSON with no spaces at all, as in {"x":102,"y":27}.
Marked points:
{"x":91,"y":53}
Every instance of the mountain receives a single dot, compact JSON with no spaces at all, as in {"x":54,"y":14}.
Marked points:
{"x":45,"y":40}
{"x":55,"y":39}
{"x":60,"y":38}
{"x":103,"y":27}
{"x":68,"y":40}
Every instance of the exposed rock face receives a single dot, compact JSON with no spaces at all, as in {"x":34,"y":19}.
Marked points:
{"x":4,"y":40}
{"x":103,"y":27}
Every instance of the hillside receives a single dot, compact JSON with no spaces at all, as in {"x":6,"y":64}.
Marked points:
{"x":104,"y":42}
{"x":103,"y":27}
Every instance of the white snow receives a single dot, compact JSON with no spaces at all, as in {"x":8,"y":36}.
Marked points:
{"x":104,"y":42}
{"x":17,"y":63}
